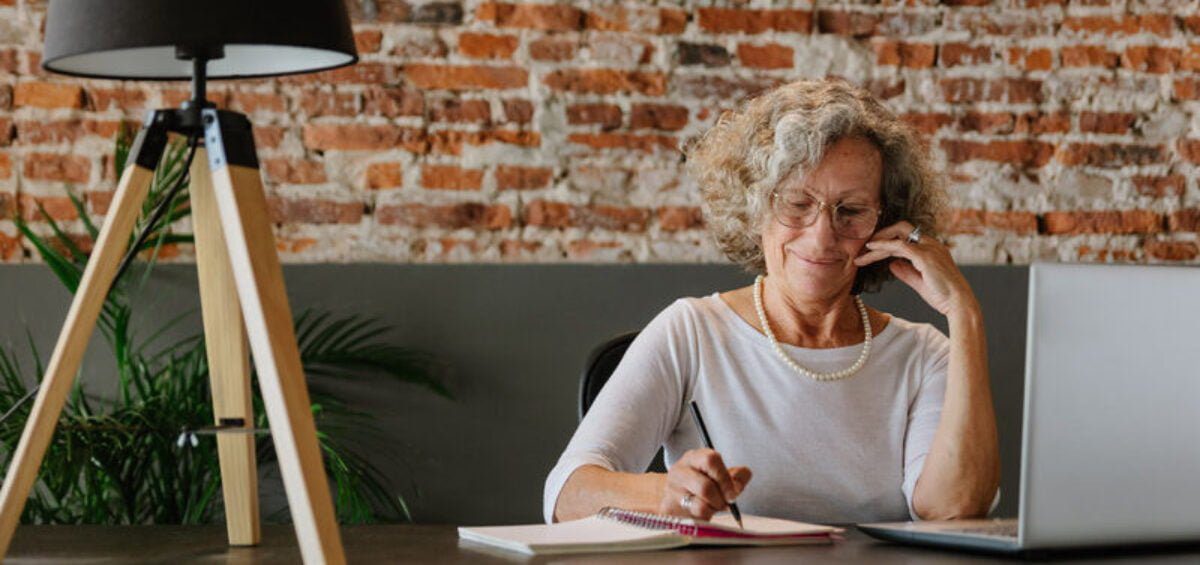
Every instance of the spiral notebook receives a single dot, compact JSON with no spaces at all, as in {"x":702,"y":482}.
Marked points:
{"x":614,"y":529}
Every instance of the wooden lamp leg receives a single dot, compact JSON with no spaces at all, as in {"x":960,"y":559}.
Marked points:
{"x":258,"y":275}
{"x":228,"y":360}
{"x":93,"y":289}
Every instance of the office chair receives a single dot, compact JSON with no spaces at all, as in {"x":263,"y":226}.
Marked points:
{"x":599,"y":367}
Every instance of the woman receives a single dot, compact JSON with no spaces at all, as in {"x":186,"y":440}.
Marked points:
{"x":844,"y":413}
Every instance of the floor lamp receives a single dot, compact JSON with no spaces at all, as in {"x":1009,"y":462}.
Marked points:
{"x":242,"y":294}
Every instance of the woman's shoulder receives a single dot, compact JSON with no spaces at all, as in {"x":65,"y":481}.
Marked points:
{"x":917,"y":334}
{"x":694,"y":308}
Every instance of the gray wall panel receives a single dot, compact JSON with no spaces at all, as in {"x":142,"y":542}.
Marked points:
{"x":514,"y":339}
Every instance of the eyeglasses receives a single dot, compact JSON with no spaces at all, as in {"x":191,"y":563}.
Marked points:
{"x":850,"y":220}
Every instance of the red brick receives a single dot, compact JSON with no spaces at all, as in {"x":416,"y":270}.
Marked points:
{"x":1104,"y":221}
{"x":531,"y":16}
{"x":736,"y":20}
{"x":1184,"y":220}
{"x":552,"y":49}
{"x":37,"y":132}
{"x":518,"y":111}
{"x":487,"y":45}
{"x":126,"y":99}
{"x":1189,"y":58}
{"x":1171,"y":250}
{"x":384,"y":175}
{"x":671,"y":21}
{"x":769,"y":56}
{"x":10,"y":247}
{"x":585,"y":249}
{"x":55,"y":167}
{"x":452,"y":141}
{"x":451,"y":216}
{"x":1150,"y":58}
{"x":457,"y":110}
{"x":368,"y":72}
{"x":512,"y":177}
{"x":853,"y":24}
{"x":1106,"y":122}
{"x":608,"y":116}
{"x":956,"y":54}
{"x":313,"y":211}
{"x":419,"y":47}
{"x":352,"y":137}
{"x":721,"y":87}
{"x":1089,"y":56}
{"x":607,"y":81}
{"x":48,"y":95}
{"x":1087,"y":26}
{"x":249,"y":102}
{"x":647,"y":143}
{"x":1028,"y":153}
{"x":466,"y":77}
{"x":10,"y":61}
{"x":927,"y":123}
{"x":1005,"y":123}
{"x":385,"y":11}
{"x":393,"y":101}
{"x":38,"y":208}
{"x":1112,"y":154}
{"x":5,"y":170}
{"x":450,"y":177}
{"x":268,"y":137}
{"x":970,"y":221}
{"x":301,"y":171}
{"x":1189,"y":149}
{"x":680,"y":218}
{"x":314,"y":103}
{"x":7,"y":131}
{"x":1187,"y":88}
{"x":368,"y":40}
{"x":973,"y":90}
{"x":545,"y":214}
{"x":889,"y":52}
{"x":1040,"y":59}
{"x":1159,"y":186}
{"x":658,"y":116}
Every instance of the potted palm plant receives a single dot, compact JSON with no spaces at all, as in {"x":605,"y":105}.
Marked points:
{"x":120,"y":458}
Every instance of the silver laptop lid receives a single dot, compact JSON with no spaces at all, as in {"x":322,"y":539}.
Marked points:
{"x":1111,"y":447}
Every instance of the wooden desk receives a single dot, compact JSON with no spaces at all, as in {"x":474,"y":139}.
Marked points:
{"x":177,"y":545}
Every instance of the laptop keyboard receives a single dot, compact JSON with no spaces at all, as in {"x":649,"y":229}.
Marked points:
{"x":1001,"y":529}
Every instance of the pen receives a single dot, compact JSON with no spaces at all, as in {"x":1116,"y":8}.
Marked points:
{"x":733,"y":509}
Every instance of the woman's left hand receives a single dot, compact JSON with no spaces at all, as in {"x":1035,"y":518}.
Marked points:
{"x":925,"y":265}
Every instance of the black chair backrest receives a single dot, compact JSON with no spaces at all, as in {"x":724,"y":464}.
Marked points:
{"x":600,"y":366}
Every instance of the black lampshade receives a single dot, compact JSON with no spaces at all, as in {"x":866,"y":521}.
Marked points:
{"x":139,"y":39}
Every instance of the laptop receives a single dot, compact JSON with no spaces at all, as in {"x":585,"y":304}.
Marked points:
{"x":1110,"y":449}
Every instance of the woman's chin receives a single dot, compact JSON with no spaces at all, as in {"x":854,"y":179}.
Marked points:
{"x":817,"y":279}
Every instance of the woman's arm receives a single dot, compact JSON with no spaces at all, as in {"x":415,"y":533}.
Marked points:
{"x":962,"y":470}
{"x":591,"y":487}
{"x":698,"y":477}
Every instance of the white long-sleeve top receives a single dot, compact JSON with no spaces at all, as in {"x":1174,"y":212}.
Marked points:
{"x":839,"y":451}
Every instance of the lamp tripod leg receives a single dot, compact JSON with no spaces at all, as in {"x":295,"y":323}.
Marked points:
{"x":246,"y":226}
{"x":228,"y":360}
{"x":85,"y":308}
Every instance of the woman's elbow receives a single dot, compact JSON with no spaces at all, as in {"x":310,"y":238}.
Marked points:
{"x":952,"y":506}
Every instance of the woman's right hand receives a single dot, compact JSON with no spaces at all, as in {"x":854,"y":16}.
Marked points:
{"x":700,"y":479}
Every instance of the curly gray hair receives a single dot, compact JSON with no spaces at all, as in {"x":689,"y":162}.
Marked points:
{"x":786,"y":131}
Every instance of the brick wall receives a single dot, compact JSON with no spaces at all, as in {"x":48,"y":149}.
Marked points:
{"x":485,"y":131}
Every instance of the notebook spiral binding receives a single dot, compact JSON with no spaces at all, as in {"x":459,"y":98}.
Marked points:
{"x":648,"y":520}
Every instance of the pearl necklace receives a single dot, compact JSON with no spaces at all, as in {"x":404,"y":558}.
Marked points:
{"x":862,"y":358}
